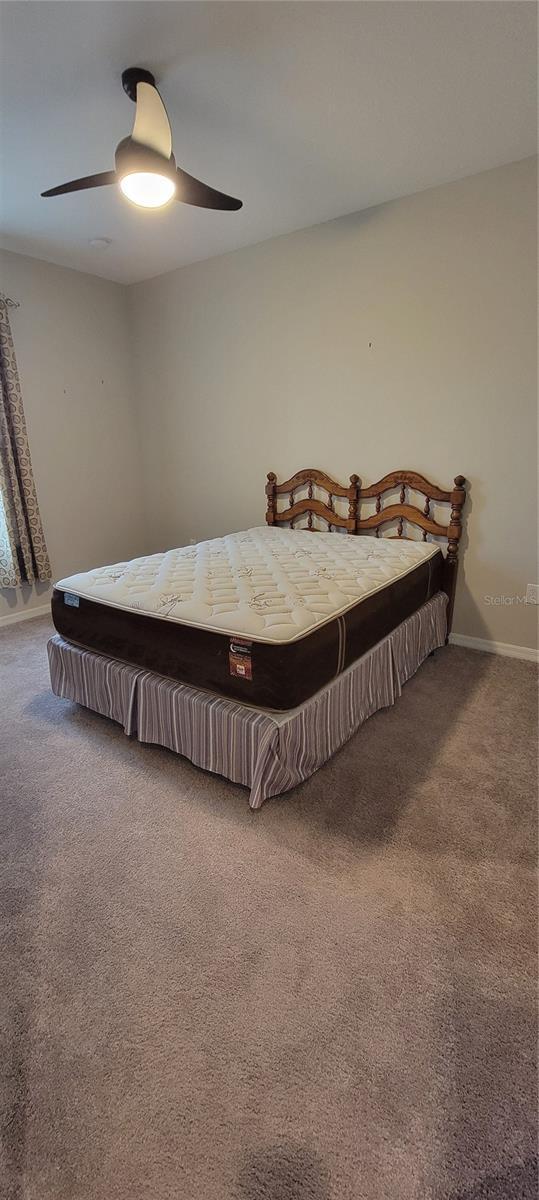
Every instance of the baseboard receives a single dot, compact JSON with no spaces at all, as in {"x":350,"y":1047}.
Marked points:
{"x":506,"y":649}
{"x":25,"y":614}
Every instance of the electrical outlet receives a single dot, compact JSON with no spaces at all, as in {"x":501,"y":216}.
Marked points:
{"x":532,"y":593}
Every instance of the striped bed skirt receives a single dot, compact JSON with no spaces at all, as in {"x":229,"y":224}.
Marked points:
{"x":265,"y":751}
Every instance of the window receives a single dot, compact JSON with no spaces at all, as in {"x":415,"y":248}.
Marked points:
{"x":5,"y":550}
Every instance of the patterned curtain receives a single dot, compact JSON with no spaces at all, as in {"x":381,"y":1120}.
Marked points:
{"x":23,"y":553}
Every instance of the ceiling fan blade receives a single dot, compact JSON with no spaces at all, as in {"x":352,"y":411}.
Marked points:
{"x":152,"y":126}
{"x":79,"y":185}
{"x":193,"y":191}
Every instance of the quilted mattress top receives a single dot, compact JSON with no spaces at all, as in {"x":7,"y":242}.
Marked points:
{"x":266,"y":585}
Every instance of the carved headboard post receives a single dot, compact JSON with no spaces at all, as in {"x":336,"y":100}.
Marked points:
{"x":458,"y":496}
{"x":271,"y":498}
{"x":354,"y":500}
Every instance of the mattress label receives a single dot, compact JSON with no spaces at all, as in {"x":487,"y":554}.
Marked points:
{"x":71,"y":600}
{"x":239,"y":658}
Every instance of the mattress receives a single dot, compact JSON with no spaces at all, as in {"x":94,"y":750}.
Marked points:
{"x":266,"y":616}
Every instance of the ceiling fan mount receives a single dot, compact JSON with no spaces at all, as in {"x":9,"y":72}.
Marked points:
{"x":133,"y":75}
{"x":145,"y":167}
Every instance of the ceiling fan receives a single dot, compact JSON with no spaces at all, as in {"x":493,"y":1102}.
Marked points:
{"x":145,"y":165}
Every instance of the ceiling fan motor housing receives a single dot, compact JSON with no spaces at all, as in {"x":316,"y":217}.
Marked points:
{"x":132,"y":156}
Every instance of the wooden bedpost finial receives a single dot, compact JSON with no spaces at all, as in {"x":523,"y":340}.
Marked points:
{"x":271,"y":498}
{"x":354,"y":500}
{"x":458,"y":496}
{"x":454,"y":530}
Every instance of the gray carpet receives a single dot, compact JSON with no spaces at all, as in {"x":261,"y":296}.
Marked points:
{"x":331,"y":999}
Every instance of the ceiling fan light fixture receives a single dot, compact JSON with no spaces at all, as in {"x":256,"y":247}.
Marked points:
{"x":147,"y":189}
{"x":146,"y":177}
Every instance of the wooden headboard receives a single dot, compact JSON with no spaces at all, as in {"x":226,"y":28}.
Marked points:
{"x":357,"y":520}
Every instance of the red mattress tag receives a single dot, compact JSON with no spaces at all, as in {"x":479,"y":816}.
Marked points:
{"x":239,"y":658}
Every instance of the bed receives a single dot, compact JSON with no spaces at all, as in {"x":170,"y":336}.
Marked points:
{"x":230,"y":651}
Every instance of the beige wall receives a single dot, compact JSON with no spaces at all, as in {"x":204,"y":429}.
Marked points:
{"x":261,"y":359}
{"x":71,"y":341}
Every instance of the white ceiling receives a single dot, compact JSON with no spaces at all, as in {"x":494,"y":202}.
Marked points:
{"x":306,"y":111}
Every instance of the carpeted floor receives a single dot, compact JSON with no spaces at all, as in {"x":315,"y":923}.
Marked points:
{"x":330,"y":999}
